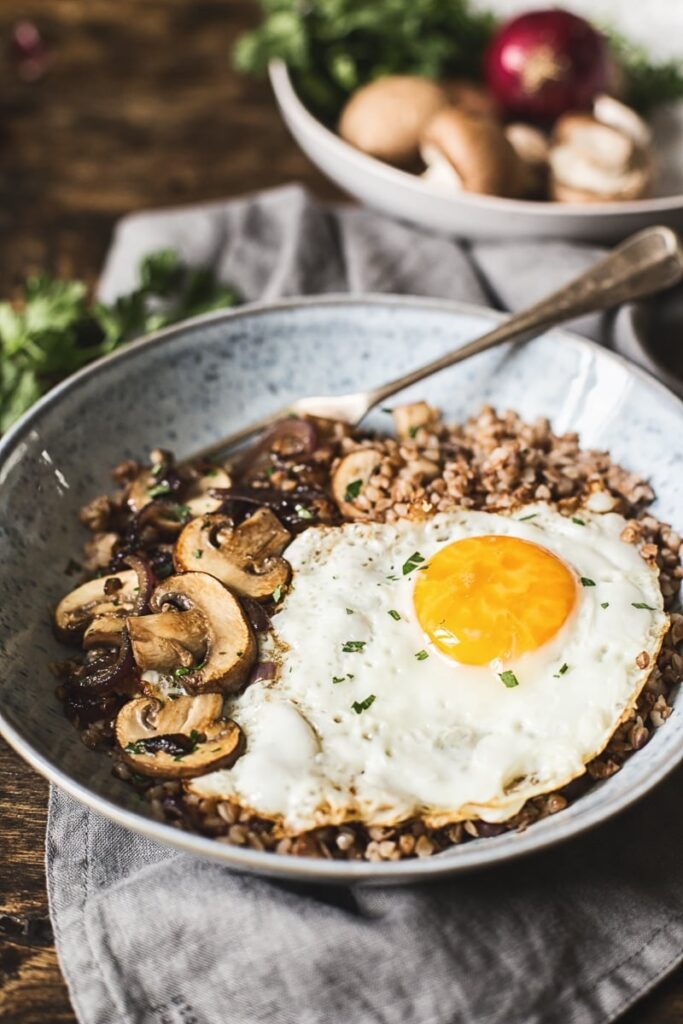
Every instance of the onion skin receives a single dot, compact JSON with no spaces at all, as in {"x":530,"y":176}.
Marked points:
{"x":542,"y":64}
{"x":257,"y":615}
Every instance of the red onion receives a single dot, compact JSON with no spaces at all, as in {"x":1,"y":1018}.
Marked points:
{"x":287,"y":505}
{"x":291,"y":438}
{"x":104,"y":677}
{"x":263,"y":673}
{"x":544,"y":63}
{"x":257,"y":615}
{"x":146,"y":582}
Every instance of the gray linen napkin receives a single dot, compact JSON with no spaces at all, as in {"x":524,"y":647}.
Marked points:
{"x":149,"y":936}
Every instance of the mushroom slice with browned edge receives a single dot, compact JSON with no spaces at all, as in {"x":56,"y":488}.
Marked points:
{"x":178,"y":739}
{"x":350,"y":477}
{"x":198,"y":630}
{"x":114,"y":595}
{"x":245,"y":558}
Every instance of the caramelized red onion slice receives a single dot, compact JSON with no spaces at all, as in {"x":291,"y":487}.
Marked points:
{"x":264,"y":672}
{"x":287,"y":505}
{"x":257,"y":615}
{"x":99,"y":679}
{"x":290,"y":438}
{"x":146,"y":582}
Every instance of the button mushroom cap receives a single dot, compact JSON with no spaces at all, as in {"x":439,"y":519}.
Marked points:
{"x":198,"y":499}
{"x":109,"y":595}
{"x":604,"y":146}
{"x":350,"y":477}
{"x":477,"y":149}
{"x":245,"y":558}
{"x":386,"y":117}
{"x":178,"y":739}
{"x":471,"y":97}
{"x":209,"y":623}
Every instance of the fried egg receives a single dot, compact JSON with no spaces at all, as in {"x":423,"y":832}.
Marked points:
{"x":449,"y":668}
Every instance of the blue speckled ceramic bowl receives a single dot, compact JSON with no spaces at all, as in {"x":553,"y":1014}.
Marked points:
{"x":184,"y":387}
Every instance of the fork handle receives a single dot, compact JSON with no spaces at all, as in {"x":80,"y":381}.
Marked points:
{"x":646,"y":263}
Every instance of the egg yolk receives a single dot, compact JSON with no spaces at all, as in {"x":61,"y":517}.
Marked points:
{"x":491,"y":597}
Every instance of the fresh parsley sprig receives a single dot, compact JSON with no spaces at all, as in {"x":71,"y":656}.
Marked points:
{"x":56,"y":329}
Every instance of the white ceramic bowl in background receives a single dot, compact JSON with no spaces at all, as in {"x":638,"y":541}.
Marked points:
{"x":406,"y":197}
{"x":185,"y":386}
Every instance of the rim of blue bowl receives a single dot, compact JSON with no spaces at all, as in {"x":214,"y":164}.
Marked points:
{"x":479,"y":854}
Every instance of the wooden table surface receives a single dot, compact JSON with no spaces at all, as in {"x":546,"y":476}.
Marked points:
{"x":139,"y":108}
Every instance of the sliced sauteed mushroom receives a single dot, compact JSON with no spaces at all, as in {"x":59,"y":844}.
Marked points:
{"x":245,"y":558}
{"x":108,"y":595}
{"x":178,"y":739}
{"x":197,"y":497}
{"x":207,"y":639}
{"x":351,"y":476}
{"x":157,"y":480}
{"x":104,"y":631}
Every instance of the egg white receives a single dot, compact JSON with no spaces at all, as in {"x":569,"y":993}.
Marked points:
{"x":440,"y":739}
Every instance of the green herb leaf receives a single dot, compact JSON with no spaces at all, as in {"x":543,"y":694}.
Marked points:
{"x":642,"y":605}
{"x":303,"y":513}
{"x":579,"y":522}
{"x":396,"y":616}
{"x":421,"y":655}
{"x":181,"y":513}
{"x":523,"y":519}
{"x":338,"y":679}
{"x":412,"y":431}
{"x":586,"y":582}
{"x":158,"y":490}
{"x":198,"y":553}
{"x":353,"y":646}
{"x":412,"y":563}
{"x":353,"y":490}
{"x":349,"y":611}
{"x":561,"y":671}
{"x":359,"y":706}
{"x":508,"y":678}
{"x":277,"y":593}
{"x":605,"y":604}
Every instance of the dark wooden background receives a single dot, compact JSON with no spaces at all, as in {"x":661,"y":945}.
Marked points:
{"x":139,"y":108}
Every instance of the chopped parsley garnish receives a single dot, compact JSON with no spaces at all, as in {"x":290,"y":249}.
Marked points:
{"x":181,"y":513}
{"x":385,"y":408}
{"x":394,"y":579}
{"x":211,"y":472}
{"x":353,"y":646}
{"x":579,"y":522}
{"x":270,"y":470}
{"x":198,"y":553}
{"x":158,"y":490}
{"x":338,"y":679}
{"x":359,"y":706}
{"x":605,"y":604}
{"x":412,"y":563}
{"x":179,"y":672}
{"x":421,"y":655}
{"x":561,"y":671}
{"x":303,"y":513}
{"x":532,"y":515}
{"x":412,"y":431}
{"x":353,"y":490}
{"x":277,"y":593}
{"x":349,"y":611}
{"x":396,"y":616}
{"x":156,"y":470}
{"x":586,"y":582}
{"x":641,"y":604}
{"x":509,"y":678}
{"x":136,"y":748}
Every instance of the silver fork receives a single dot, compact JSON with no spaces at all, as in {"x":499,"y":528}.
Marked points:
{"x":645,"y":263}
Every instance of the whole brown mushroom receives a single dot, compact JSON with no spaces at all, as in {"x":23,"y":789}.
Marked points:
{"x":476,"y":149}
{"x":385,"y":118}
